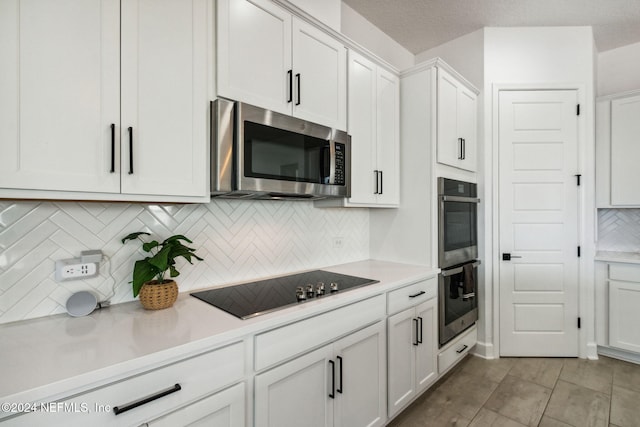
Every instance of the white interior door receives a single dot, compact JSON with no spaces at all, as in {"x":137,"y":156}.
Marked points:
{"x":538,"y":217}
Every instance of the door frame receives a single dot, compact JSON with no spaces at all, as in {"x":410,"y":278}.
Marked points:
{"x":587,"y":347}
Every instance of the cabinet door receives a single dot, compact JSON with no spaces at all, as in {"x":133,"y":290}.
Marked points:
{"x":320,"y":76}
{"x":362,"y":128}
{"x":223,"y":409}
{"x":624,"y":317}
{"x":402,"y":340}
{"x":625,"y":151}
{"x":59,"y":87}
{"x":296,"y":392}
{"x":426,"y":365}
{"x":467,"y":128}
{"x":361,"y":378}
{"x":166,"y":49}
{"x":254,"y":53}
{"x":449,"y":148}
{"x":388,"y":137}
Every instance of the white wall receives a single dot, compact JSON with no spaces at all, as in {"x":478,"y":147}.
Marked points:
{"x":553,"y":57}
{"x":619,"y":70}
{"x":363,"y":32}
{"x":465,"y":54}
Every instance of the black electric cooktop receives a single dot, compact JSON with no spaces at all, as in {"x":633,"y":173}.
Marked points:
{"x":252,"y":299}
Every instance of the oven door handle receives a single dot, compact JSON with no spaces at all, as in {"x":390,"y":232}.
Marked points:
{"x":459,"y":199}
{"x":457,"y":270}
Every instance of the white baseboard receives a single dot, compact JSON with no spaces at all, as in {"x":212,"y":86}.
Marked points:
{"x":627,"y":356}
{"x":484,"y":350}
{"x":592,"y":351}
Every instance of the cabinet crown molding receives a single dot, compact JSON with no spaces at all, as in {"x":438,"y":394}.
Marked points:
{"x":438,"y":62}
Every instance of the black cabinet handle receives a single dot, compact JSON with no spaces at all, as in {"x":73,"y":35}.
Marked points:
{"x":415,"y":322}
{"x":129,"y":406}
{"x":130,"y":129}
{"x":464,"y":347}
{"x":113,"y":148}
{"x":381,"y":188}
{"x":464,"y":148}
{"x":290,"y":75}
{"x":339,"y":389}
{"x":375,"y":172}
{"x":459,"y":148}
{"x":298,"y":83}
{"x":417,"y":295}
{"x":333,"y":379}
{"x":420,"y":339}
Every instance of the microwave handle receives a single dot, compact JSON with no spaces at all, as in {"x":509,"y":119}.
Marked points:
{"x":447,"y":273}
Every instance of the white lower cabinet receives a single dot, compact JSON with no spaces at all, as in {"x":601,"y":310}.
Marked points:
{"x":412,"y":346}
{"x":142,"y":397}
{"x":223,"y":409}
{"x":340,"y":384}
{"x":624,"y":300}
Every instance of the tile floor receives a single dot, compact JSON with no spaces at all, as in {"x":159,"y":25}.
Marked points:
{"x":516,"y":392}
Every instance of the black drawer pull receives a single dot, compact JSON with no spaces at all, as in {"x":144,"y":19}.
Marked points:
{"x":333,"y":379}
{"x":464,"y":347}
{"x":417,"y":295}
{"x":113,"y":148}
{"x":130,"y":129}
{"x":120,"y":409}
{"x":339,"y":389}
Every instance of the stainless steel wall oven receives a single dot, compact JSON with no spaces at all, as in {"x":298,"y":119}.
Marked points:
{"x":458,"y":302}
{"x":457,"y":257}
{"x":457,"y":222}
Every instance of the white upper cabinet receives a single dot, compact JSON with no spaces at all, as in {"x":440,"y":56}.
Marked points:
{"x":388,"y":137}
{"x":374,"y":126}
{"x":165,"y":87}
{"x":60,"y":86}
{"x":269,"y":58}
{"x":617,"y":150}
{"x":319,"y":76}
{"x":457,"y":123}
{"x":625,"y":151}
{"x":254,"y":53}
{"x":105,"y":99}
{"x":362,"y":128}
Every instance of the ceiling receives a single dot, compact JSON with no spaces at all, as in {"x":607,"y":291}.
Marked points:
{"x":419,"y":25}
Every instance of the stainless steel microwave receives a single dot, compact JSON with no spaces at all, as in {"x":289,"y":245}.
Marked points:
{"x":257,"y":153}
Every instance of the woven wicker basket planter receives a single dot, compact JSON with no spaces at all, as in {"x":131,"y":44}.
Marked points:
{"x":158,"y":296}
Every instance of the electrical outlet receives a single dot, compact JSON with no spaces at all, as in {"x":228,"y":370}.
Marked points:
{"x":74,"y":269}
{"x":338,"y":242}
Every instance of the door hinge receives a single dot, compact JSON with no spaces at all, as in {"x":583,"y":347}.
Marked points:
{"x":578,"y":179}
{"x":578,"y":251}
{"x":578,"y":110}
{"x":578,"y":323}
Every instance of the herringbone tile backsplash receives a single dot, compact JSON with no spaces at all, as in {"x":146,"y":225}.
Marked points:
{"x":239,"y":240}
{"x":619,"y":230}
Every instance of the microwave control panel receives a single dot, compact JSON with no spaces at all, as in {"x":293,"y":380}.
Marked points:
{"x":339,"y":175}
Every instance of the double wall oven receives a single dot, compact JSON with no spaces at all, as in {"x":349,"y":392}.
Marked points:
{"x":457,"y":257}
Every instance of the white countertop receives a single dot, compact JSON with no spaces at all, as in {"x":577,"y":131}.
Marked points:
{"x":628,"y":257}
{"x":52,"y":357}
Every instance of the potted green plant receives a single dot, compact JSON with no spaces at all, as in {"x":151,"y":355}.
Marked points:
{"x":149,"y":282}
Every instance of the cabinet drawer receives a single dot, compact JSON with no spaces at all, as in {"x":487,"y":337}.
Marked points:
{"x":196,"y":377}
{"x":457,"y":350}
{"x":626,"y":272}
{"x":283,"y":343}
{"x":411,"y":295}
